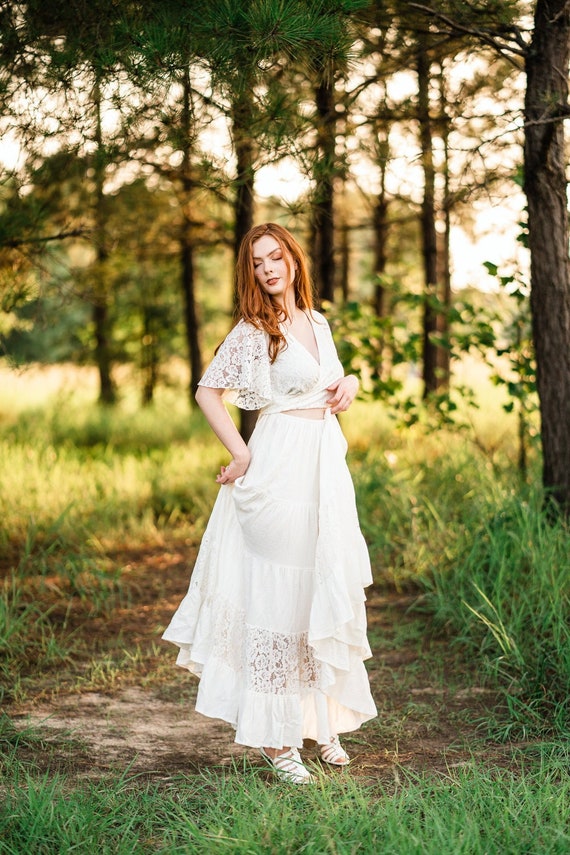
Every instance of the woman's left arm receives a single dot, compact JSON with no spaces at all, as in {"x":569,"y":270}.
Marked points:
{"x":344,"y":391}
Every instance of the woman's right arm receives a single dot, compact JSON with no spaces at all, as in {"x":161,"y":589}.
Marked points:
{"x":211,"y":403}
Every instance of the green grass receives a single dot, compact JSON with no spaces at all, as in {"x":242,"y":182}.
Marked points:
{"x":469,"y":809}
{"x":86,"y":491}
{"x":506,"y":597}
{"x":444,"y":511}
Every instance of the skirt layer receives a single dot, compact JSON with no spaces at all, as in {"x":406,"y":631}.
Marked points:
{"x":274,"y":621}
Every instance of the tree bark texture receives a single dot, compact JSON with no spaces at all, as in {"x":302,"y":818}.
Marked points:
{"x":150,"y":358}
{"x":546,"y":104}
{"x":429,"y":235}
{"x":344,"y":252}
{"x":188,"y":279}
{"x":244,"y":148}
{"x":322,"y":229}
{"x":192,"y":324}
{"x":444,"y":251}
{"x":380,"y":224}
{"x":380,"y":227}
{"x":101,"y":319}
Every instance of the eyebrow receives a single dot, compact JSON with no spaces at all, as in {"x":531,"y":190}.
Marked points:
{"x":277,"y":249}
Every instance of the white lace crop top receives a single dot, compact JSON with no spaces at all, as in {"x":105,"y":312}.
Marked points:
{"x":295,"y":381}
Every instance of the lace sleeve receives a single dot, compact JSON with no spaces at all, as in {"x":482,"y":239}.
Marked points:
{"x":241,"y":366}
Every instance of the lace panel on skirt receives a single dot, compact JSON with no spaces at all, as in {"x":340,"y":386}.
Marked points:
{"x":279,"y":664}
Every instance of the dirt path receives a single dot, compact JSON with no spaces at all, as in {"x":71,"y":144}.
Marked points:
{"x":428,"y":705}
{"x":134,"y":728}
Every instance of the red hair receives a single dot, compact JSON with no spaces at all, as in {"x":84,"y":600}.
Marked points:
{"x":253,"y":304}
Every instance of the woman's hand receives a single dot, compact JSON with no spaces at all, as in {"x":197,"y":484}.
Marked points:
{"x":345,"y":391}
{"x":235,"y":469}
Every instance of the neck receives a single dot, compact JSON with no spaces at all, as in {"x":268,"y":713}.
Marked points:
{"x":287,"y":305}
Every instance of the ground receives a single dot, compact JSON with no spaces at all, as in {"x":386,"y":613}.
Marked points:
{"x":120,"y":702}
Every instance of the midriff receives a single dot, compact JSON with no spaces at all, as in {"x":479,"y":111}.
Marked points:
{"x":310,"y":413}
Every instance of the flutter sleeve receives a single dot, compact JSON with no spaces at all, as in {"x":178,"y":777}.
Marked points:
{"x":241,"y":367}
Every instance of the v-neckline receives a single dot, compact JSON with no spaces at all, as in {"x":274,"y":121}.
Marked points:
{"x":316,"y":359}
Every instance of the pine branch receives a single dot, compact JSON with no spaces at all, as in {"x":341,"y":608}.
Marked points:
{"x":14,"y":243}
{"x":506,"y":44}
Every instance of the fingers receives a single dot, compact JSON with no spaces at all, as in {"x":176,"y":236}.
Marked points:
{"x":339,"y":407}
{"x":340,"y":402}
{"x":345,"y":389}
{"x":228,"y":474}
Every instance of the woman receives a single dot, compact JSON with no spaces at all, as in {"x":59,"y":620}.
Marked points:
{"x":274,"y":620}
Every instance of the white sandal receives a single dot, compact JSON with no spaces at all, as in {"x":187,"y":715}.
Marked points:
{"x":289,"y":766}
{"x":333,"y":753}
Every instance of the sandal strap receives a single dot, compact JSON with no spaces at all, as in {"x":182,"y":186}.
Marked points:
{"x":333,"y":753}
{"x":289,"y":766}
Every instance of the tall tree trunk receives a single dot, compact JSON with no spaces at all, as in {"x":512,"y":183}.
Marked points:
{"x":244,"y":148}
{"x":428,"y":231}
{"x":443,"y":255}
{"x":149,"y":356}
{"x":188,"y":279}
{"x":322,"y":227}
{"x":380,"y":228}
{"x":546,"y":103}
{"x":101,"y":319}
{"x":344,"y":248}
{"x":191,"y":322}
{"x":380,"y":220}
{"x":245,"y":167}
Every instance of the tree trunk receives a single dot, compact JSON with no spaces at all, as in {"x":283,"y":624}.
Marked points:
{"x":322,"y":228}
{"x":380,"y":227}
{"x":344,"y":249}
{"x":191,"y":322}
{"x":428,"y":231}
{"x":101,"y":320}
{"x":244,"y":148}
{"x":380,"y":223}
{"x":187,"y":281}
{"x":245,"y":169}
{"x":546,"y":103}
{"x":149,"y":356}
{"x":443,"y":255}
{"x":107,"y":391}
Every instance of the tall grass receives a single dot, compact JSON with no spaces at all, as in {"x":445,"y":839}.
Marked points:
{"x":468,"y":811}
{"x":506,"y":597}
{"x":80,"y":484}
{"x":451,"y":516}
{"x":101,"y":475}
{"x":443,"y":512}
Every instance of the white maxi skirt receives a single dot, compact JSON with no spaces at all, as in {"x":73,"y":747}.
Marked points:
{"x":274,"y":621}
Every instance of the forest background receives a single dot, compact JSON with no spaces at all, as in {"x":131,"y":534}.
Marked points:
{"x":140,"y":141}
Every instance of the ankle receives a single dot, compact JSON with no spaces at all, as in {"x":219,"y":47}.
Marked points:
{"x":275,"y":752}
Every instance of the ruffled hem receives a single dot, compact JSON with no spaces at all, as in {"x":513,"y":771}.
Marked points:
{"x":279,"y":648}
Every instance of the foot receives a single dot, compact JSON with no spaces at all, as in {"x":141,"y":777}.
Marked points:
{"x":288,"y":766}
{"x":333,"y":753}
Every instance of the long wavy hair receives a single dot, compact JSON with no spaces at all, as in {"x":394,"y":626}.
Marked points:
{"x":253,"y":304}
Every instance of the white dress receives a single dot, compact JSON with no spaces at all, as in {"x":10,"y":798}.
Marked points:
{"x":274,"y":620}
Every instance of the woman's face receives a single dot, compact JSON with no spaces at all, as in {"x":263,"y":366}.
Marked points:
{"x":273,"y":267}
